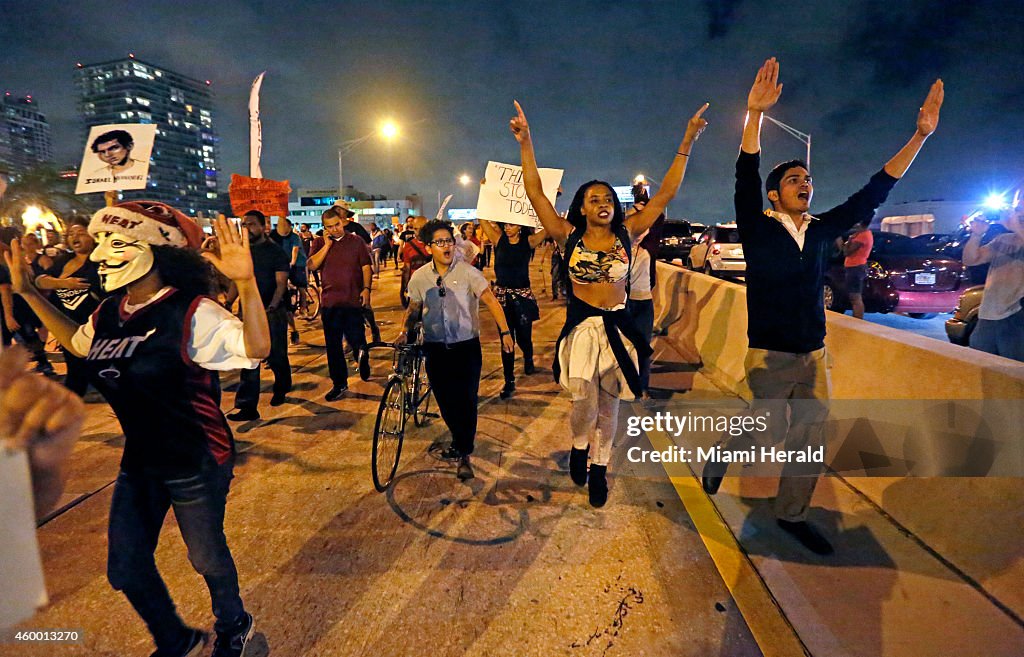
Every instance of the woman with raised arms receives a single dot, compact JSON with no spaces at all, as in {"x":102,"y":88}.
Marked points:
{"x":592,"y":361}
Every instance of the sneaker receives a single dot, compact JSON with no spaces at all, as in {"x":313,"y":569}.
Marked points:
{"x":278,"y":399}
{"x":598,"y":485}
{"x":465,"y":471}
{"x":335,"y":393}
{"x":244,"y":415}
{"x":232,"y":643}
{"x":196,"y":645}
{"x":508,"y":390}
{"x":451,"y":454}
{"x":578,"y":465}
{"x":807,"y":535}
{"x":295,"y":337}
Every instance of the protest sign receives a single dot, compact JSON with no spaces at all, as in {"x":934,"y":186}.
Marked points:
{"x":503,"y":195}
{"x":268,"y":196}
{"x":21,"y":571}
{"x":116,"y":158}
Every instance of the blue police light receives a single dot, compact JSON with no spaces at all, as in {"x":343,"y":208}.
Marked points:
{"x":996,"y":201}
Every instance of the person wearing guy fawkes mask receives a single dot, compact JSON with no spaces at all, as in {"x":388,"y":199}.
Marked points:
{"x":153,"y":350}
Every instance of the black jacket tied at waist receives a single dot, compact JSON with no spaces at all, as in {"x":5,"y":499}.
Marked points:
{"x":578,"y":311}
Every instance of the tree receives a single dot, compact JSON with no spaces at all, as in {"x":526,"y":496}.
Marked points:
{"x":41,"y":186}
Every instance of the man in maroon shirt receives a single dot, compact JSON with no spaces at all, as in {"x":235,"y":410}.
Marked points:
{"x":344,"y":264}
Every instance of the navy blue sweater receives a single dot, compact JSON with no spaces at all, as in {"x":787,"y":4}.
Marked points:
{"x":785,"y":301}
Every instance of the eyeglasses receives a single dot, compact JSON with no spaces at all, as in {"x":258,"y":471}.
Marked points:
{"x":444,"y":241}
{"x":441,"y":291}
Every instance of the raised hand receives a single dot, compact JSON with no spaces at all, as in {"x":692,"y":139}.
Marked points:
{"x":234,"y":260}
{"x":518,"y":125}
{"x":766,"y":90}
{"x":928,"y":117}
{"x":15,"y":259}
{"x":696,"y":125}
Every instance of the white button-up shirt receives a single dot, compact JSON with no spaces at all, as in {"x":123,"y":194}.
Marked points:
{"x":797,"y":234}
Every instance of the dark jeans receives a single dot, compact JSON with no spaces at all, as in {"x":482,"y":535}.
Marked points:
{"x":27,"y":335}
{"x":341,"y":323}
{"x":248,"y":395}
{"x":137,"y":513}
{"x":454,"y":374}
{"x":642,"y":312}
{"x":522,"y":335}
{"x":1002,"y":337}
{"x":371,"y":321}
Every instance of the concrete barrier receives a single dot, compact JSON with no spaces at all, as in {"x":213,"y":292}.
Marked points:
{"x":958,"y":405}
{"x":705,"y":319}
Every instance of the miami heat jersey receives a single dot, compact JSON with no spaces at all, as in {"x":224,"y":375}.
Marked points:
{"x":168,"y":406}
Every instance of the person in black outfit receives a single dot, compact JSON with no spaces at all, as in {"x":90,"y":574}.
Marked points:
{"x":153,"y":349}
{"x":787,"y":251}
{"x":513,"y":248}
{"x":271,"y":266}
{"x":75,"y":281}
{"x":18,"y":321}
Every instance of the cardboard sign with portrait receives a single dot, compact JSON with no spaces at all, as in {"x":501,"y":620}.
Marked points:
{"x":116,"y":158}
{"x":503,"y":195}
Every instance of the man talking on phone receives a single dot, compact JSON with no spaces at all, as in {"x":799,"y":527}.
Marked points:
{"x":344,"y":263}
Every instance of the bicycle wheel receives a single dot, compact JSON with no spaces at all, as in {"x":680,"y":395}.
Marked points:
{"x":388,"y":433}
{"x":424,"y":394}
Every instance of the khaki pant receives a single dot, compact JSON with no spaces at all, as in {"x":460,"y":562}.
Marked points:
{"x":778,"y":378}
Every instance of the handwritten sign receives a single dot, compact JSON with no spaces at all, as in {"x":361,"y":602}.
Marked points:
{"x":503,"y":195}
{"x":116,"y":158}
{"x":21,"y":571}
{"x":268,"y":196}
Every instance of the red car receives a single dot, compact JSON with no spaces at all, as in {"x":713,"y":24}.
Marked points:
{"x":903,"y":276}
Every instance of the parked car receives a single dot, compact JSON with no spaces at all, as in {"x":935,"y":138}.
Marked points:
{"x":944,"y":244}
{"x":903,"y":276}
{"x":676,"y":241}
{"x":965,"y":316}
{"x":718,"y":251}
{"x":880,"y":296}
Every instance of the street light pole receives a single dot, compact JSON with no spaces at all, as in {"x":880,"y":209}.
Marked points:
{"x":803,"y":137}
{"x":344,"y":148}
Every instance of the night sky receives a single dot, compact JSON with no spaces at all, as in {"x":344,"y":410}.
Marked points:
{"x":607,"y":87}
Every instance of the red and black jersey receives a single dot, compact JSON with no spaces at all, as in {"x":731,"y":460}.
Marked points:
{"x":168,"y":406}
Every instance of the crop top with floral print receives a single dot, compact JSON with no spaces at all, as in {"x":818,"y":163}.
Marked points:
{"x":587,"y":267}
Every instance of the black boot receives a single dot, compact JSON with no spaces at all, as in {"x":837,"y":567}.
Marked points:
{"x":598,"y":485}
{"x":508,"y":390}
{"x":578,"y":465}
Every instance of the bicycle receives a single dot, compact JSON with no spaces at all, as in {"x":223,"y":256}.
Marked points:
{"x":407,"y":392}
{"x":312,"y":293}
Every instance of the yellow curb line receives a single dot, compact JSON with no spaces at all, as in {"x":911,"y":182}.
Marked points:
{"x":772,"y":631}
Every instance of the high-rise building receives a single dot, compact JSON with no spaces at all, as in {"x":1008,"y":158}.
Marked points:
{"x":24,"y":135}
{"x":183,"y":166}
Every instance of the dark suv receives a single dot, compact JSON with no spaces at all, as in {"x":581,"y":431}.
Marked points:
{"x":676,"y":241}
